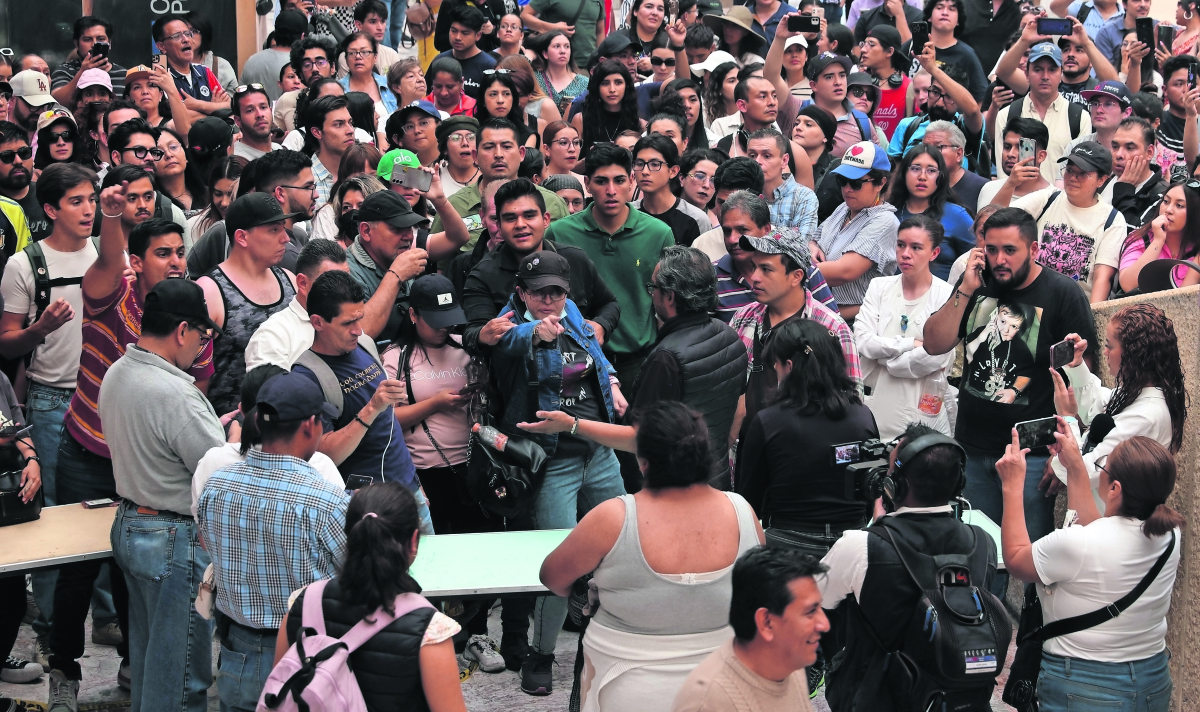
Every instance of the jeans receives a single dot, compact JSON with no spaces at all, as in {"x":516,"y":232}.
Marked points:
{"x":45,"y":409}
{"x":573,"y":486}
{"x":82,"y":475}
{"x":397,"y":11}
{"x":424,"y":520}
{"x":170,"y":645}
{"x":247,"y":656}
{"x":984,"y":493}
{"x":1073,"y":685}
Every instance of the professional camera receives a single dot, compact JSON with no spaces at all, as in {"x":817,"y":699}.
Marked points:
{"x":866,"y":467}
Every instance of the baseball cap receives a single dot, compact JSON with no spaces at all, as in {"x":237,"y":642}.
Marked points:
{"x":545,"y":269}
{"x":181,"y":297}
{"x":860,"y":159}
{"x":48,"y":118}
{"x":796,"y":40}
{"x":615,"y":43}
{"x":1046,"y":49}
{"x":209,"y":135}
{"x":95,"y":77}
{"x":817,"y":64}
{"x":781,"y":241}
{"x":255,"y":209}
{"x":1090,"y":156}
{"x":407,"y":159}
{"x":434,"y":299}
{"x":292,"y":22}
{"x":141,"y":71}
{"x":453,"y":124}
{"x":32,"y":86}
{"x":889,"y":38}
{"x":391,"y":208}
{"x":422,"y":105}
{"x":292,"y":396}
{"x":1110,"y":88}
{"x":715,"y":60}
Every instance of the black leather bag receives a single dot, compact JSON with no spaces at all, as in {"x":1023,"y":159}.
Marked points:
{"x":505,"y":482}
{"x":12,"y":509}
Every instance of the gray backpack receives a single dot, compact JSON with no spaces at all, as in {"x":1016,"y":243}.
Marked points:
{"x":331,"y":388}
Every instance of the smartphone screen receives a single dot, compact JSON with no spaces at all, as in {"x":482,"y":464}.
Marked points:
{"x":354,"y":482}
{"x":1061,"y":354}
{"x":1037,"y":433}
{"x":1054,"y":26}
{"x":1026,"y":149}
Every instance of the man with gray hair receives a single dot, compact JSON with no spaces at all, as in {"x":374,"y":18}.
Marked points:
{"x":696,"y":359}
{"x":952,"y":142}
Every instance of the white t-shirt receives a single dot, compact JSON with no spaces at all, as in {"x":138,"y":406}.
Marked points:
{"x":1073,"y":239}
{"x":225,"y":455}
{"x":56,"y":361}
{"x":1086,"y":568}
{"x":249,"y":152}
{"x":294,"y":141}
{"x":988,"y":192}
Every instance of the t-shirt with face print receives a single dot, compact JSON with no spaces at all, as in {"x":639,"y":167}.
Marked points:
{"x":580,"y":396}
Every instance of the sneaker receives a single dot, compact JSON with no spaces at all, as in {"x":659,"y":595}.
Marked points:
{"x":484,"y":651}
{"x":18,"y":670}
{"x":109,"y":635}
{"x":514,"y":648}
{"x":124,"y":677}
{"x":41,"y":651}
{"x":537,"y":673}
{"x":8,"y":704}
{"x":64,"y":693}
{"x":816,"y":680}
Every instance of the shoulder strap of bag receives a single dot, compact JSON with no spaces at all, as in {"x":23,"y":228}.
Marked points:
{"x":1075,"y":118}
{"x":330,"y":387}
{"x":41,"y":278}
{"x":1049,"y":202}
{"x":578,"y":12}
{"x":406,"y":366}
{"x":365,"y":629}
{"x":1084,"y":11}
{"x":313,"y":615}
{"x":1112,"y":216}
{"x":1075,"y":624}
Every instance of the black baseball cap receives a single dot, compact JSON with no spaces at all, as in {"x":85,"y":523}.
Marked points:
{"x":209,"y":136}
{"x":545,"y":269}
{"x":293,"y":22}
{"x":434,"y":299}
{"x":180,"y":297}
{"x":817,"y":64}
{"x":253,"y":210}
{"x":391,"y":208}
{"x":292,"y":396}
{"x":1090,"y":156}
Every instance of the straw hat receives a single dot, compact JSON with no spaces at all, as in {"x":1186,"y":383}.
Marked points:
{"x":740,"y":16}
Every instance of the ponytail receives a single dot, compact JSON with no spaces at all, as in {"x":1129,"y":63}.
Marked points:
{"x":380,"y":522}
{"x":1162,"y":521}
{"x":1146,"y":472}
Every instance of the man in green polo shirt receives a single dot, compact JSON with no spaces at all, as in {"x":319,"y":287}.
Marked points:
{"x":499,"y":154}
{"x":624,"y":244}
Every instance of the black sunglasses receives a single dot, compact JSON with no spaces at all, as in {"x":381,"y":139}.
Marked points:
{"x":660,"y":61}
{"x":24,"y":153}
{"x":854,"y":183}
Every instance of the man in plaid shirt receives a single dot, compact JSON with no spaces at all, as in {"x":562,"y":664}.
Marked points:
{"x":272,"y":526}
{"x":781,"y":262}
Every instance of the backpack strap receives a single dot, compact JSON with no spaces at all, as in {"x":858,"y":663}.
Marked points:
{"x":330,"y":387}
{"x":313,"y":615}
{"x":1112,"y":216}
{"x":1050,"y":201}
{"x":1084,"y":10}
{"x":365,"y":629}
{"x":911,"y":129}
{"x":162,"y":206}
{"x":1074,"y":118}
{"x":42,"y":283}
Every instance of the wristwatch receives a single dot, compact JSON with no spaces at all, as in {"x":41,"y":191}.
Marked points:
{"x":34,"y":458}
{"x":673,"y":48}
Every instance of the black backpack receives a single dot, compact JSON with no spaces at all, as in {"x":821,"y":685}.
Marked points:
{"x":1074,"y":114}
{"x":956,"y":640}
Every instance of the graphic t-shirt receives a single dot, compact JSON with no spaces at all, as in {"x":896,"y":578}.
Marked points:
{"x":382,"y":454}
{"x":891,"y":107}
{"x":39,"y":226}
{"x":434,"y":371}
{"x":1073,"y":239}
{"x":1007,"y":336}
{"x":581,"y":396}
{"x":472,"y":68}
{"x":1074,"y":92}
{"x":1168,"y":145}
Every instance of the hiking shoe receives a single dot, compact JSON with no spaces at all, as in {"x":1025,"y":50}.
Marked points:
{"x":18,"y":670}
{"x":484,"y":651}
{"x":124,"y":677}
{"x":537,"y":673}
{"x":513,"y":648}
{"x":41,"y":651}
{"x":8,"y":704}
{"x":109,"y":635}
{"x":816,"y":680}
{"x":64,"y":693}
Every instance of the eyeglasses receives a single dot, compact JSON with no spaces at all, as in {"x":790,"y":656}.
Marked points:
{"x":854,"y":183}
{"x":650,"y":287}
{"x":180,"y":36}
{"x":318,"y":62}
{"x":308,"y":187}
{"x":359,"y":53}
{"x":567,"y":143}
{"x":9,"y":157}
{"x":660,"y":61}
{"x":423,"y":123}
{"x":1074,"y":173}
{"x":141,"y":152}
{"x":935,"y":95}
{"x":461,"y":137}
{"x":67,"y":136}
{"x":917,"y":171}
{"x":1103,"y":103}
{"x":1101,"y":462}
{"x":548,"y":294}
{"x":490,"y":72}
{"x":700,"y":177}
{"x":206,"y":332}
{"x":653,"y":165}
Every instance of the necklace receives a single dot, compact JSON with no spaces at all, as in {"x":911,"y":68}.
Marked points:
{"x":604,"y":124}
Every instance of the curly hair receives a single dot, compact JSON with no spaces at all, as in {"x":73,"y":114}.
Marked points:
{"x":714,"y":100}
{"x":1149,"y":358}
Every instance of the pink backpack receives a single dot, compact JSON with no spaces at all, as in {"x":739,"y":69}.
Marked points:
{"x":314,"y":675}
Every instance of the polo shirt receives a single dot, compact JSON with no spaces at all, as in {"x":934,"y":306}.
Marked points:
{"x":1057,"y":124}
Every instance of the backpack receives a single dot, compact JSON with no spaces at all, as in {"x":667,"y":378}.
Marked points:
{"x":331,"y":387}
{"x":1074,"y":114}
{"x":1084,"y":10}
{"x":314,"y":675}
{"x":956,"y":641}
{"x":1112,"y":215}
{"x":42,"y":283}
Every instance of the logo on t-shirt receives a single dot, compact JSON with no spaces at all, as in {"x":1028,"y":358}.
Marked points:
{"x":999,"y":350}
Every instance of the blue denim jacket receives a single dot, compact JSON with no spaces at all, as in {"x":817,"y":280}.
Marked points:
{"x":385,"y":93}
{"x":511,"y":356}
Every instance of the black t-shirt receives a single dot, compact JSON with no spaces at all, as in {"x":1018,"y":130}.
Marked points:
{"x":1007,"y":337}
{"x":39,"y":226}
{"x":1073,"y":92}
{"x":967,"y":189}
{"x":684,"y":226}
{"x":962,"y":55}
{"x":581,"y":396}
{"x":472,"y":68}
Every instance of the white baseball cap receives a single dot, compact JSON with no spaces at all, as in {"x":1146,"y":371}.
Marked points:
{"x":714,"y":60}
{"x":32,"y":86}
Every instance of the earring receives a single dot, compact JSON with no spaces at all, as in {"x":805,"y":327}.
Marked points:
{"x":1188,"y":15}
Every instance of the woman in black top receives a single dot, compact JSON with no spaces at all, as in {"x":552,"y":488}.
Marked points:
{"x":609,"y":108}
{"x":785,"y":468}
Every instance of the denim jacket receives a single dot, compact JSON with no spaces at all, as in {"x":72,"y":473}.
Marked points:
{"x":385,"y":93}
{"x":512,"y":354}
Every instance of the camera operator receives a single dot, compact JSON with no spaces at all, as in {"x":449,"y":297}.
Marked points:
{"x":869,"y":583}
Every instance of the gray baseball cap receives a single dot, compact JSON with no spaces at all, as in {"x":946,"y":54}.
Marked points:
{"x":781,"y":241}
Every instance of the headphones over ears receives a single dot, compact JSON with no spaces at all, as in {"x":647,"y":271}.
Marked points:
{"x":895,"y":486}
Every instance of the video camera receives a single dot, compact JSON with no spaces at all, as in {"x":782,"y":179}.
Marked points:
{"x":867,"y":467}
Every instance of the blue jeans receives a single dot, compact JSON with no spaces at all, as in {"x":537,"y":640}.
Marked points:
{"x":397,"y":10}
{"x":1073,"y":685}
{"x":170,"y":645}
{"x":984,"y":493}
{"x":424,"y":519}
{"x":573,"y":486}
{"x":45,"y":409}
{"x":247,"y":657}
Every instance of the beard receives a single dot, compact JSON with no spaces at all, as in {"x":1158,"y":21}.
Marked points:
{"x":937,"y":113}
{"x":1019,"y":275}
{"x":19,"y":182}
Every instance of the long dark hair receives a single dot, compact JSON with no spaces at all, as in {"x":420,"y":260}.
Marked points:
{"x":713,"y":98}
{"x":1149,"y":358}
{"x":42,"y":158}
{"x":193,"y":176}
{"x":515,"y":113}
{"x":223,"y":168}
{"x":380,"y":522}
{"x":699,"y":137}
{"x":89,"y":118}
{"x":362,"y":111}
{"x":593,"y":107}
{"x":818,"y":382}
{"x":1189,"y":242}
{"x":942,"y":193}
{"x":1146,"y":472}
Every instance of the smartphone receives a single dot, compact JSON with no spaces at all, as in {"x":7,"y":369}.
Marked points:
{"x":1026,"y":149}
{"x":1166,"y":35}
{"x":411,"y":177}
{"x":1145,"y":31}
{"x":469,"y":389}
{"x":672,"y":12}
{"x":1191,"y":76}
{"x":98,"y":503}
{"x":804,"y":23}
{"x":1061,"y":354}
{"x":1037,"y":433}
{"x":159,"y":60}
{"x":1054,"y":26}
{"x":920,"y":36}
{"x":100,"y":49}
{"x":354,"y":482}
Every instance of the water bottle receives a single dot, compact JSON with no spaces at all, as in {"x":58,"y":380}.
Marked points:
{"x":931,"y":398}
{"x":1179,"y":169}
{"x":491,"y":437}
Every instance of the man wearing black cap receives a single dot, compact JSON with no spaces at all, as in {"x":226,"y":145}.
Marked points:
{"x":246,"y":289}
{"x":158,"y":426}
{"x":263,"y":66}
{"x":827,"y":74}
{"x":249,"y":514}
{"x":883,"y":59}
{"x":949,"y":100}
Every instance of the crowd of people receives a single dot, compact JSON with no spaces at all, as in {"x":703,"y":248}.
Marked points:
{"x":769,"y":292}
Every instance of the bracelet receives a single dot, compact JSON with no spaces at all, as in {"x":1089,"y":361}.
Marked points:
{"x":34,"y":458}
{"x":114,"y":217}
{"x":673,"y":48}
{"x":364,"y":423}
{"x":958,"y":293}
{"x":575,"y":427}
{"x":390,"y":271}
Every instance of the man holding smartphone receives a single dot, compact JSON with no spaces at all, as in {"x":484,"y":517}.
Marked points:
{"x":92,"y":45}
{"x":1108,"y":38}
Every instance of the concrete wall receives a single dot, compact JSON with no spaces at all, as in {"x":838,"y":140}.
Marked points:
{"x":1183,"y":623}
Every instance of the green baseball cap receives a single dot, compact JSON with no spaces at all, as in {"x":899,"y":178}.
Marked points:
{"x":394,"y":157}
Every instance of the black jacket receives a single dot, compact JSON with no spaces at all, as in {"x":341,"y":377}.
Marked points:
{"x":491,"y":283}
{"x":1135,"y":205}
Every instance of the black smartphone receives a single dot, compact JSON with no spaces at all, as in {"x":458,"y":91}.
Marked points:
{"x":1166,"y":35}
{"x":1061,"y":354}
{"x":920,"y":37}
{"x":100,"y":49}
{"x":1145,"y":32}
{"x":804,"y":23}
{"x":1054,"y":26}
{"x":354,"y":482}
{"x":1191,"y":76}
{"x":1037,"y":433}
{"x":469,"y":389}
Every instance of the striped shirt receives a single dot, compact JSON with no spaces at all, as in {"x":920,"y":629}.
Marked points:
{"x":272,"y":525}
{"x":734,"y":293}
{"x":110,"y":324}
{"x":871,"y":234}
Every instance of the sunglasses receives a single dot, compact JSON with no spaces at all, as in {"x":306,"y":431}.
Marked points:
{"x":860,"y":92}
{"x":490,"y":72}
{"x":660,"y":61}
{"x":8,"y":157}
{"x":64,"y":136}
{"x":243,"y":89}
{"x":854,"y":183}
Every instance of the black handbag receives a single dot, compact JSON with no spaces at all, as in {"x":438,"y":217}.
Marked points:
{"x":1020,"y":691}
{"x":12,"y":509}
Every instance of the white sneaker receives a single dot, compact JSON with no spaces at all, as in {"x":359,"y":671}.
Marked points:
{"x":18,"y":670}
{"x":484,"y":651}
{"x":64,"y":693}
